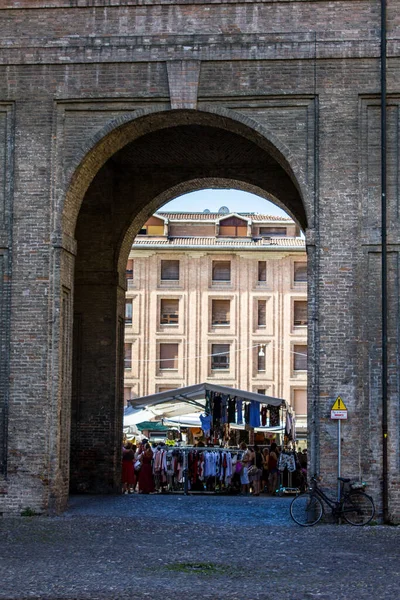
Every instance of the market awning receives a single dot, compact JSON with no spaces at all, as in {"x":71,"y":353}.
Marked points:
{"x":152,"y":426}
{"x":195,"y":395}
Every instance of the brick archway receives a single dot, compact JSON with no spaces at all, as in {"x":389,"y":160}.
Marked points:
{"x":175,"y":153}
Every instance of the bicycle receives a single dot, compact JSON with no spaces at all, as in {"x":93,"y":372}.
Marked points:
{"x":355,"y":506}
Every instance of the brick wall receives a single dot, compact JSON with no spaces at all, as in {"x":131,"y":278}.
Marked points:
{"x":286,"y":103}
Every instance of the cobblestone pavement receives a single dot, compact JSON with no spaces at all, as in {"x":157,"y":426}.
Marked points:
{"x":171,"y":547}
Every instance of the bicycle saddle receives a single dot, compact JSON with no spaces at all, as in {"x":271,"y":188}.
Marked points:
{"x":344,"y":479}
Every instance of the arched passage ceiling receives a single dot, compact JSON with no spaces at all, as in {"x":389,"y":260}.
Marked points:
{"x":136,"y":179}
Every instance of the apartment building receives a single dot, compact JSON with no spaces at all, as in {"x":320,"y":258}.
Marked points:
{"x":218,"y":297}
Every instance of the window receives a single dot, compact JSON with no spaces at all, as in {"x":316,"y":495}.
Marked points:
{"x":221,"y":312}
{"x":127,"y":395}
{"x":233,"y":227}
{"x":261,"y":391}
{"x":129,"y":273}
{"x":262,"y":313}
{"x":262,"y":270}
{"x":128,"y":356}
{"x":170,"y":270}
{"x":220,"y":356}
{"x":272,"y":231}
{"x":300,"y":402}
{"x":300,"y":357}
{"x":300,"y":272}
{"x":168,"y":356}
{"x":221,"y":270}
{"x":300,"y":313}
{"x":260,"y":360}
{"x":128,"y":312}
{"x":169,"y":311}
{"x":165,"y":388}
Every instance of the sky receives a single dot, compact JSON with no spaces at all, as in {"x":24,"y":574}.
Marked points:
{"x":235,"y":200}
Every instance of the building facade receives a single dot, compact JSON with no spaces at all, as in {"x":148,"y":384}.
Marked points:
{"x":218,"y":298}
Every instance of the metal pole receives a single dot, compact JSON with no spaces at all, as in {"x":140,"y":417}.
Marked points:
{"x":339,"y":458}
{"x":385,"y":489}
{"x":185,"y":474}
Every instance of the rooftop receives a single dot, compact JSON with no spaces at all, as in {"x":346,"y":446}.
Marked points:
{"x":214,"y":216}
{"x":231,"y":243}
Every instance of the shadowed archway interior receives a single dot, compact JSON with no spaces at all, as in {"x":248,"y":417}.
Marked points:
{"x":130,"y":186}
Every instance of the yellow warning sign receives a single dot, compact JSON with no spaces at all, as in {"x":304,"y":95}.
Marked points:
{"x":339,"y":404}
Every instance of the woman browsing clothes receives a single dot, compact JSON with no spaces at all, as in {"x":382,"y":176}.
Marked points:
{"x":128,"y":474}
{"x":146,"y":480}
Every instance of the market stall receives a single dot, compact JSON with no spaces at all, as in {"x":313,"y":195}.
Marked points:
{"x":214,"y":420}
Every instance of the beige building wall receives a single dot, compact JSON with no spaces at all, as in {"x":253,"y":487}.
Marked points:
{"x":274,"y":332}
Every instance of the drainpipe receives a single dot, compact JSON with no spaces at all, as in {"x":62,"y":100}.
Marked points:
{"x":385,"y":494}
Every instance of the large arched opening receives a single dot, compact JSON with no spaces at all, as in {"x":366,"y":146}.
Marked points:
{"x":132,"y":170}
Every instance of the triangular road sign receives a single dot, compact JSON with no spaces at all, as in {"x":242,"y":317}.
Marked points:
{"x":339,"y":404}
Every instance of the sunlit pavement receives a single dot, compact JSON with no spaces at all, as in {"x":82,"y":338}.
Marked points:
{"x":210,"y":547}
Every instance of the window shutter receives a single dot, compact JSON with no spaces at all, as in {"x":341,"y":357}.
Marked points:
{"x":169,"y":356}
{"x":169,"y":311}
{"x":262,"y":270}
{"x":272,"y":231}
{"x":300,"y":358}
{"x":300,"y":402}
{"x":128,"y":312}
{"x":128,"y":356}
{"x":262,"y":313}
{"x":221,"y":270}
{"x":300,"y":312}
{"x":220,"y":356}
{"x":170,"y":270}
{"x":221,"y":312}
{"x":260,"y":361}
{"x":227,"y":230}
{"x":300,"y":271}
{"x":129,"y":269}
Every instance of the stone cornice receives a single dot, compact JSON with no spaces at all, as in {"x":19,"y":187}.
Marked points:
{"x":204,"y":47}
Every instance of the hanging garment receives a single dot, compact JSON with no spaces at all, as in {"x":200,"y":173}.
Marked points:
{"x":208,"y":403}
{"x":247,"y":414}
{"x":224,"y":409}
{"x":287,"y":461}
{"x":216,"y":410}
{"x":231,"y":410}
{"x":206,"y":424}
{"x":264,"y":413}
{"x":239,"y":407}
{"x":274,"y":420}
{"x":289,"y":426}
{"x":254,"y":420}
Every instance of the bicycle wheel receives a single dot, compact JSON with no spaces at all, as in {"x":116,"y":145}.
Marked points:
{"x":306,"y":509}
{"x":358,"y":508}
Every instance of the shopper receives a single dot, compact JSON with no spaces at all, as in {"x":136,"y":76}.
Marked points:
{"x":265,"y":471}
{"x":146,"y":479}
{"x":257,"y":471}
{"x":244,"y":475}
{"x":273,"y":472}
{"x":128,"y":474}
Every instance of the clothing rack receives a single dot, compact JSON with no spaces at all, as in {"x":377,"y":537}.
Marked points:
{"x":201,"y":449}
{"x":289,"y":488}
